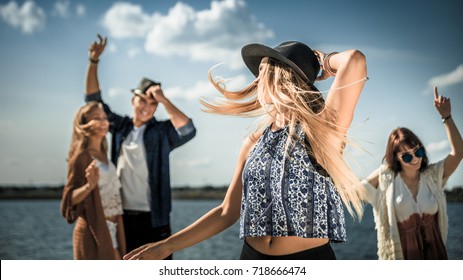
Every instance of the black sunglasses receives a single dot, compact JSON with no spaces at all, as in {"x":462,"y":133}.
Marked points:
{"x":407,"y":157}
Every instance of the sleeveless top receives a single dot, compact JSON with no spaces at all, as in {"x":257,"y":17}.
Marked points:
{"x":110,"y":189}
{"x":417,"y":221}
{"x":288,"y":195}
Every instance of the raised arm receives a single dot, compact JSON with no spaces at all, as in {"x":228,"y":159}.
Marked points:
{"x":212,"y":223}
{"x":95,"y":50}
{"x":455,"y":156}
{"x":177,"y":117}
{"x":92,"y":175}
{"x":82,"y":179}
{"x":350,"y":71}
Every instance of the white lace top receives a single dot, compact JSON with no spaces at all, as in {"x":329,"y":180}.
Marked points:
{"x":405,"y":205}
{"x":110,"y":189}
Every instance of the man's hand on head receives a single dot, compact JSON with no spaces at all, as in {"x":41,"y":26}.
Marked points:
{"x":156,"y":93}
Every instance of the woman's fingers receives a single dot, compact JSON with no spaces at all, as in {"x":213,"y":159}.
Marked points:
{"x":132,"y":254}
{"x":436,"y":94}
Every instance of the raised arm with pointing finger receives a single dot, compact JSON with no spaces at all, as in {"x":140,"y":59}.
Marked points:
{"x":455,"y":156}
{"x":407,"y":192}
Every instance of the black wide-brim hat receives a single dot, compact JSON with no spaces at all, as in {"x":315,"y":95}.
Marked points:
{"x":295,"y":54}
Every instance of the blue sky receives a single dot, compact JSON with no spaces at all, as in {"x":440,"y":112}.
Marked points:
{"x":410,"y":46}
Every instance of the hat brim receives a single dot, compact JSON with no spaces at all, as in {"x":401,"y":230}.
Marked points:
{"x":252,"y":55}
{"x":137,"y":91}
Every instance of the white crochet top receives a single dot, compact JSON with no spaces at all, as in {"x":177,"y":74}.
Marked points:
{"x":110,"y":189}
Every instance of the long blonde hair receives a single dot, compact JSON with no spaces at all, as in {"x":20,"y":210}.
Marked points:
{"x":81,"y":130}
{"x":301,"y":106}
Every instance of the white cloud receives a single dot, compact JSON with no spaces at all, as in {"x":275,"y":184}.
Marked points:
{"x":437,"y":147}
{"x":212,"y":35}
{"x":114,"y":92}
{"x":112,"y":48}
{"x":126,"y":20}
{"x":81,"y":11}
{"x":203,"y":89}
{"x":28,"y":18}
{"x":454,"y":77}
{"x":445,"y":80}
{"x":61,"y":9}
{"x":134,"y":52}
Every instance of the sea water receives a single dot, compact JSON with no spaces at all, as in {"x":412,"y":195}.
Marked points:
{"x":35,"y":230}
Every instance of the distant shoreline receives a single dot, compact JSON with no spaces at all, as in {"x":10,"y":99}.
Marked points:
{"x":55,"y":192}
{"x":204,"y":193}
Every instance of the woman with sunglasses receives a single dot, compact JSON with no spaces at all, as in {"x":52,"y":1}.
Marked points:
{"x":407,"y":193}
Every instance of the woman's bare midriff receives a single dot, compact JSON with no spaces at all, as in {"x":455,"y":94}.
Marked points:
{"x":284,"y":245}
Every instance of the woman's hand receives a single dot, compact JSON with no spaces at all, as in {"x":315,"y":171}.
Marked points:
{"x":321,"y":57}
{"x":97,"y":126}
{"x":150,"y":251}
{"x":97,"y":48}
{"x":92,"y":174}
{"x":442,"y":104}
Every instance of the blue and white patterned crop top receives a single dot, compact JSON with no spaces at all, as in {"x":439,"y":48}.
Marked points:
{"x":288,"y":196}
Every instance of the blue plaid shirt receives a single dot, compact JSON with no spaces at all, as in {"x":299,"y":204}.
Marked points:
{"x":160,"y":138}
